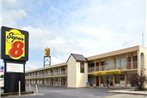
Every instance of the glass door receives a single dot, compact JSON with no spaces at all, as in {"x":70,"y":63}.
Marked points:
{"x":110,"y":77}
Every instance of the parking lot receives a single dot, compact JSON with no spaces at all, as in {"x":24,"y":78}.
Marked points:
{"x":58,"y":92}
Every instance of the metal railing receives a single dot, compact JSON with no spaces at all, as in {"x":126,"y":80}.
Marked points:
{"x":132,"y":65}
{"x":47,"y":74}
{"x":90,"y":69}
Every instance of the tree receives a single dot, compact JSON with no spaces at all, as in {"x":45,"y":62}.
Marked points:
{"x":2,"y":76}
{"x":138,"y":81}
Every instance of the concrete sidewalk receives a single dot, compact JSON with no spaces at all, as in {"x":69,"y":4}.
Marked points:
{"x":128,"y":91}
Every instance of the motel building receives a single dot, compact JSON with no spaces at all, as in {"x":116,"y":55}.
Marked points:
{"x":113,"y":69}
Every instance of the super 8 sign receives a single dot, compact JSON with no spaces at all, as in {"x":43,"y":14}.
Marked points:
{"x":14,"y":44}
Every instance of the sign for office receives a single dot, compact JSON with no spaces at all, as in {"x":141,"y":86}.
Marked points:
{"x":14,"y":67}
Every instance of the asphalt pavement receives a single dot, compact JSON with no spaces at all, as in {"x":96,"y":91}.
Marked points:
{"x":60,"y":92}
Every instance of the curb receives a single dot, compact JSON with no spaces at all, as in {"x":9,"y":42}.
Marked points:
{"x":16,"y":93}
{"x":129,"y":92}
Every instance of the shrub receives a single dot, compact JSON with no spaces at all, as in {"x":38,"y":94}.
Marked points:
{"x":138,"y":81}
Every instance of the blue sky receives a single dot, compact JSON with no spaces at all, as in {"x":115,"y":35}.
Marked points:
{"x":87,"y":27}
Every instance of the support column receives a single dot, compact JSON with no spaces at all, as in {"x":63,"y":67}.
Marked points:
{"x":94,"y":81}
{"x":113,"y":80}
{"x":36,"y":81}
{"x":131,"y":61}
{"x":114,"y":59}
{"x":94,"y":65}
{"x":99,"y":80}
{"x":125,"y":80}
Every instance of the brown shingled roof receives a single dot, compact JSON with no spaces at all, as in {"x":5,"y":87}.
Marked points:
{"x":79,"y":57}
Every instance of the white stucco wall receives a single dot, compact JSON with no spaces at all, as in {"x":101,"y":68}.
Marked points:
{"x":71,"y":70}
{"x":144,"y":51}
{"x":81,"y":78}
{"x":75,"y":78}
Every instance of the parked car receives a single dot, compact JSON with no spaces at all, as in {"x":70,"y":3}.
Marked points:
{"x":1,"y":82}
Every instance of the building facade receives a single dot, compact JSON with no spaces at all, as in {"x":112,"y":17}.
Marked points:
{"x":109,"y":69}
{"x":50,"y":76}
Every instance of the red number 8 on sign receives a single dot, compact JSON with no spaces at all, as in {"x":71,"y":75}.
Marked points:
{"x":16,"y":50}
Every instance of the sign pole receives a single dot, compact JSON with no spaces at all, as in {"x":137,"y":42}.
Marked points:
{"x":19,"y":85}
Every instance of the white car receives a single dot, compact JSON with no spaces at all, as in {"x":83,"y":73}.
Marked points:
{"x":1,"y":82}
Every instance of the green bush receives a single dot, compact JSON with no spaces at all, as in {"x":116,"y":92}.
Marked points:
{"x":2,"y":76}
{"x":138,"y":81}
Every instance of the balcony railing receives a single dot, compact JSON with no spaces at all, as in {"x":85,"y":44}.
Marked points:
{"x":132,"y":65}
{"x":135,"y":65}
{"x":90,"y":69}
{"x":129,"y":65}
{"x":47,"y":74}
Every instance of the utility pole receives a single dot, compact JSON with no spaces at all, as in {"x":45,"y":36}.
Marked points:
{"x":142,"y":39}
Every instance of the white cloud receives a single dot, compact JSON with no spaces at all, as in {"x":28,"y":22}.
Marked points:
{"x":39,"y":36}
{"x":98,"y":40}
{"x":11,"y":17}
{"x":10,"y":2}
{"x":56,"y":60}
{"x":12,"y":13}
{"x":59,"y":45}
{"x":100,"y":33}
{"x":30,"y":66}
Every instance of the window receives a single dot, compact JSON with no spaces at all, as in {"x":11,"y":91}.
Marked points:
{"x":134,"y":62}
{"x":97,"y":66}
{"x":129,"y":59}
{"x":121,"y":62}
{"x":102,"y":65}
{"x":91,"y":65}
{"x":112,"y":65}
{"x":134,"y":58}
{"x":82,"y":67}
{"x":142,"y":60}
{"x":117,"y":79}
{"x":122,"y":77}
{"x":109,"y":64}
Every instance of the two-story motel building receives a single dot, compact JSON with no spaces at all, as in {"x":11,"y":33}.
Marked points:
{"x":113,"y":68}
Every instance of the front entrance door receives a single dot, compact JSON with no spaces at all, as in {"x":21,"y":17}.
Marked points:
{"x":97,"y":80}
{"x":110,"y":79}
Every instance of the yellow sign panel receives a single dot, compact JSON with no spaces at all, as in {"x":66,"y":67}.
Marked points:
{"x":15,"y":44}
{"x":47,"y":52}
{"x":107,"y":72}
